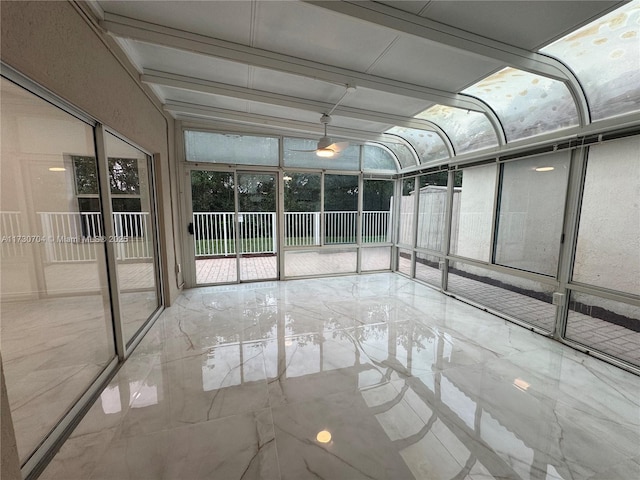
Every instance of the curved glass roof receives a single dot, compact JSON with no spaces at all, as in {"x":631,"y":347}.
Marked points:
{"x":377,"y":158}
{"x":467,"y":130}
{"x":605,"y":56}
{"x":428,"y":145}
{"x":403,"y":154}
{"x":527,"y":104}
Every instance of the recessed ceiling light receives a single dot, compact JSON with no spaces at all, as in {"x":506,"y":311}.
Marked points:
{"x":544,"y":169}
{"x":57,"y":169}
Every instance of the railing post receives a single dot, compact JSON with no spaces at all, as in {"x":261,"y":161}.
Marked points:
{"x":274,"y":235}
{"x":224,"y":233}
{"x":316,"y":228}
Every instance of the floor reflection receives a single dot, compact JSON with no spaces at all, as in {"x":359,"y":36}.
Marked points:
{"x":353,"y":377}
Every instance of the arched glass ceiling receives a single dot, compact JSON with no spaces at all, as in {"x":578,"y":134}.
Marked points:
{"x":377,"y":158}
{"x":605,"y":56}
{"x":403,"y":154}
{"x":428,"y":145}
{"x":467,"y":130}
{"x":527,"y":104}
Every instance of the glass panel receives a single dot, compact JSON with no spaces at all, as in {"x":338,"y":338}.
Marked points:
{"x":467,"y":130}
{"x":404,"y":261}
{"x":340,"y":208}
{"x":257,"y":227}
{"x":134,"y":230}
{"x":56,"y":331}
{"x":527,"y":104}
{"x":428,"y":145}
{"x":532,"y":198}
{"x":609,"y":231}
{"x":472,"y":213}
{"x":301,"y":208}
{"x":301,"y":153}
{"x":432,"y":207}
{"x":522,"y":299}
{"x":428,"y":269}
{"x":376,"y":215}
{"x":298,"y":263}
{"x":377,"y":158}
{"x":376,"y":258}
{"x":605,"y":325}
{"x":403,"y":154}
{"x":605,"y":56}
{"x":407,"y":209}
{"x":213,"y":199}
{"x":230,"y":149}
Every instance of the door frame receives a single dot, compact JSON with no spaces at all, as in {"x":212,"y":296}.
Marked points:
{"x":188,"y":254}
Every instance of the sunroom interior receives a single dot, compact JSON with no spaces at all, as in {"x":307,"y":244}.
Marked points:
{"x":189,"y":186}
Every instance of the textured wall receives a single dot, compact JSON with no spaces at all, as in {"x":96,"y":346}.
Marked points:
{"x":55,"y":45}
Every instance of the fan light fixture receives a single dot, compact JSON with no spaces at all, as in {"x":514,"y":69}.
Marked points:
{"x":57,"y":169}
{"x":325,"y":152}
{"x":544,"y":169}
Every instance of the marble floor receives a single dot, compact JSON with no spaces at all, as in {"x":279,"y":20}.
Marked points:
{"x":355,"y":377}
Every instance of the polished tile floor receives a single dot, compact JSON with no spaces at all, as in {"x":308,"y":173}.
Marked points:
{"x":357,"y":377}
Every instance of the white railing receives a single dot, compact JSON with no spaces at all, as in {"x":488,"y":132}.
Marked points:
{"x":214,"y":232}
{"x":74,"y":237}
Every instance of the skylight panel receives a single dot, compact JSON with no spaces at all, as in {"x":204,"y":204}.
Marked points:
{"x":527,"y":104}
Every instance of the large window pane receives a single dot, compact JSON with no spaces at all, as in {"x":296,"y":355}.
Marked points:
{"x":428,"y":269}
{"x":472,"y":213}
{"x":340,"y":208}
{"x":404,"y":261}
{"x":432,"y":206}
{"x":609,"y":231}
{"x":230,"y":149}
{"x":301,"y":153}
{"x":134,"y":229}
{"x":407,"y":209}
{"x":527,"y":104}
{"x":56,"y":332}
{"x":605,"y":325}
{"x":605,"y":56}
{"x":522,"y":299}
{"x":301,"y":208}
{"x":375,"y":258}
{"x":376,"y":214}
{"x":405,"y":156}
{"x":531,"y":213}
{"x":298,"y":263}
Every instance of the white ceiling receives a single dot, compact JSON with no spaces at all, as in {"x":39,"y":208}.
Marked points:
{"x":292,"y":60}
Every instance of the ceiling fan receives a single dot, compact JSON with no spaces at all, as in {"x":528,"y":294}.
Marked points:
{"x":326,"y":147}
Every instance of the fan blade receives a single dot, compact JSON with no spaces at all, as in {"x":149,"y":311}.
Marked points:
{"x":292,"y":150}
{"x":339,"y":146}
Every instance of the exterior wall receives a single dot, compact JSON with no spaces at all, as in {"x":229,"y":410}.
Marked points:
{"x":56,"y":45}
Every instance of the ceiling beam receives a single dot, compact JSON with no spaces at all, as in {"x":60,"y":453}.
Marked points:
{"x":215,"y":88}
{"x":409,"y":24}
{"x":247,"y":118}
{"x":173,"y":38}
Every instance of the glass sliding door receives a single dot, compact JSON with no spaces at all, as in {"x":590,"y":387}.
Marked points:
{"x":57,"y":330}
{"x":340,"y":209}
{"x":213,"y":226}
{"x":134,"y":229}
{"x":257,"y":226}
{"x":234,"y":226}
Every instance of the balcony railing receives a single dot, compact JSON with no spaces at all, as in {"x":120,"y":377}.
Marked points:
{"x":214,"y":233}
